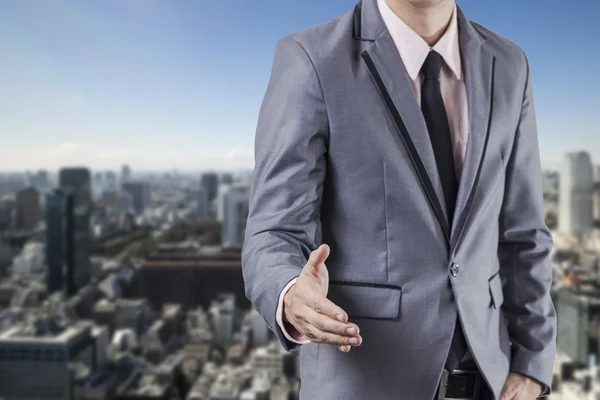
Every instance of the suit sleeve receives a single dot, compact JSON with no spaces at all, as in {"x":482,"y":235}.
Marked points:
{"x":524,"y":249}
{"x":283,"y":224}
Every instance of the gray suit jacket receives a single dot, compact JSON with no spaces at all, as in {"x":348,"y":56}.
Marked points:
{"x":343,"y":157}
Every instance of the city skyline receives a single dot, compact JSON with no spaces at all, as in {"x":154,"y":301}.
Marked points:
{"x":162,"y":85}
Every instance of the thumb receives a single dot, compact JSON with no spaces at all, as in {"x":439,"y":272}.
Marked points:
{"x":318,"y":256}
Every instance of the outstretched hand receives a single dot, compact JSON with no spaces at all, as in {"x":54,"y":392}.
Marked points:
{"x":307,"y":308}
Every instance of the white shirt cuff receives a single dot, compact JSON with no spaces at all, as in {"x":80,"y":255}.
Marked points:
{"x":299,"y":338}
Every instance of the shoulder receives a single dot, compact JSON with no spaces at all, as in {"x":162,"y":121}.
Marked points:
{"x":507,"y":53}
{"x":323,"y":41}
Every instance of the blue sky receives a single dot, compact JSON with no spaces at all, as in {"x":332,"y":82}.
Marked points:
{"x":162,"y":84}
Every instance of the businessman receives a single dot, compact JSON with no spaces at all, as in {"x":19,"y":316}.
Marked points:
{"x":396,"y":235}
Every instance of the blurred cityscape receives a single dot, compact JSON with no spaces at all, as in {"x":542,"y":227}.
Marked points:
{"x":124,"y":285}
{"x":128,"y":285}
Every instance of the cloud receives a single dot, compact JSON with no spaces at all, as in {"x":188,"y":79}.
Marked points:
{"x":116,"y":154}
{"x":238,"y":153}
{"x":77,"y":98}
{"x":66,"y":149}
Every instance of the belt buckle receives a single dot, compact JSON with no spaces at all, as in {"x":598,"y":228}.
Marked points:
{"x":444,"y":383}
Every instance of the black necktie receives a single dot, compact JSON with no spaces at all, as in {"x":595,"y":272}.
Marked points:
{"x":434,"y":112}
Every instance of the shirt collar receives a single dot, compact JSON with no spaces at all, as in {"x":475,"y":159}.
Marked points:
{"x":413,"y":49}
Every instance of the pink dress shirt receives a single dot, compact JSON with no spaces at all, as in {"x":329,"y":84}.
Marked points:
{"x":413,"y":51}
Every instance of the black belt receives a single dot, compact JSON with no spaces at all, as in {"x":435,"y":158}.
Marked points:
{"x":460,"y":385}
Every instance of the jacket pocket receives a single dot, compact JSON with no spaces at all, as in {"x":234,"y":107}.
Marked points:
{"x":496,"y":294}
{"x":366,"y":300}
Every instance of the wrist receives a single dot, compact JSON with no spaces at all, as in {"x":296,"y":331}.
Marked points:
{"x":285,"y":306}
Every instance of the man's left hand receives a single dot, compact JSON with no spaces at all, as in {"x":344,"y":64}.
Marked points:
{"x":520,"y":387}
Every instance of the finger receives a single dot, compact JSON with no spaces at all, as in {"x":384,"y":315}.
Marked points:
{"x":308,"y":320}
{"x":318,"y":256}
{"x":323,"y":305}
{"x":345,"y":348}
{"x":315,"y":335}
{"x":507,"y":393}
{"x":327,"y":324}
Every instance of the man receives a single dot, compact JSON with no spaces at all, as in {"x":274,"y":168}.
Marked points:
{"x":396,"y":235}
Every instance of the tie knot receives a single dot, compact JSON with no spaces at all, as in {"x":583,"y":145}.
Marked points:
{"x":432,"y":65}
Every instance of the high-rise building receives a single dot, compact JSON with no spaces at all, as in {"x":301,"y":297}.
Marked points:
{"x":578,"y":314}
{"x":125,"y":202}
{"x":597,"y":192}
{"x":550,"y":182}
{"x":235,"y":215}
{"x":203,"y":205}
{"x":59,"y":241}
{"x":576,"y":189}
{"x":28,"y":210}
{"x":110,"y":179}
{"x":222,"y":191}
{"x":108,"y":198}
{"x":226,"y":178}
{"x":261,"y":334}
{"x":140,"y":194}
{"x":209,"y":182}
{"x":98,"y":177}
{"x":76,"y":183}
{"x":125,"y":173}
{"x":222,"y":312}
{"x":39,"y":180}
{"x":7,"y":213}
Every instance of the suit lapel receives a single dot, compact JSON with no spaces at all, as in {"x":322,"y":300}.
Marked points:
{"x":389,"y":75}
{"x":478,"y":65}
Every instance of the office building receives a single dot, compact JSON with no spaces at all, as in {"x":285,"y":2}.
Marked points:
{"x":28,"y":210}
{"x":203,"y":205}
{"x":261,"y":334}
{"x":222,"y":191}
{"x":109,"y":198}
{"x":41,"y":367}
{"x":98,"y":178}
{"x":125,"y":173}
{"x":209,"y":181}
{"x":222,"y":312}
{"x":550,"y":184}
{"x":59,"y":241}
{"x":101,"y":336}
{"x":269,"y":358}
{"x":7,"y":213}
{"x":30,"y":261}
{"x":110,"y":179}
{"x":227,"y":385}
{"x":597,"y":192}
{"x":140,"y":194}
{"x":39,"y":180}
{"x":235,"y":214}
{"x":207,"y":272}
{"x":6,"y":257}
{"x":76,"y":183}
{"x":576,"y":189}
{"x":578,"y":316}
{"x":226,"y":178}
{"x":132,"y":314}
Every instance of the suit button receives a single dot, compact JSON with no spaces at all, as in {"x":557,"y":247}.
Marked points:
{"x":454,"y":269}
